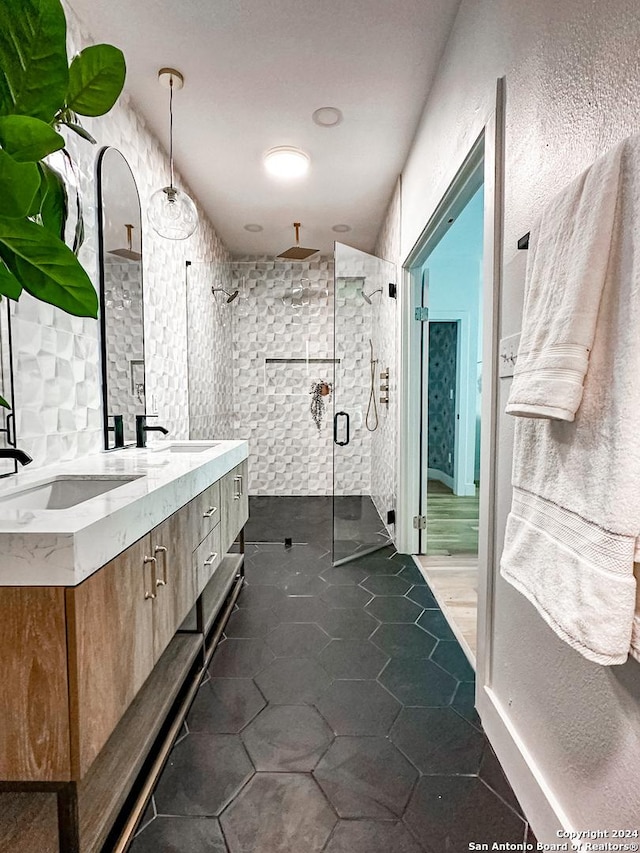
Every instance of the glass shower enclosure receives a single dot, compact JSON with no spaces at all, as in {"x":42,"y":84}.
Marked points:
{"x":364,"y":407}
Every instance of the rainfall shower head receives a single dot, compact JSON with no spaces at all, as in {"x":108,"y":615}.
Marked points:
{"x":230,"y":296}
{"x":367,"y":296}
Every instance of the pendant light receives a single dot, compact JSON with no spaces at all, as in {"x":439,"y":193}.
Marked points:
{"x":172,"y":213}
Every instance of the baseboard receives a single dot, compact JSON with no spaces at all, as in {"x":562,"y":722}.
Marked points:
{"x":440,"y":476}
{"x":542,"y":809}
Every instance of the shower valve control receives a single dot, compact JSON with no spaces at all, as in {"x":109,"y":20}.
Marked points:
{"x":384,"y":386}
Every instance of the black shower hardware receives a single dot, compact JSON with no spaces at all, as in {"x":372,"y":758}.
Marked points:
{"x":142,"y":429}
{"x":230,"y":296}
{"x":118,"y":430}
{"x":335,"y":428}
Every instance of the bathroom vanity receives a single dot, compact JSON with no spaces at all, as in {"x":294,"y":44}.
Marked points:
{"x":110,"y":609}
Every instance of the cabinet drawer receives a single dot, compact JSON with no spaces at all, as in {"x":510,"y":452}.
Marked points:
{"x":206,"y":512}
{"x":207,"y":557}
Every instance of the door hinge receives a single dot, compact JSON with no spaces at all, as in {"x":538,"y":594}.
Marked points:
{"x":422,"y":314}
{"x":420,"y":522}
{"x":393,"y":290}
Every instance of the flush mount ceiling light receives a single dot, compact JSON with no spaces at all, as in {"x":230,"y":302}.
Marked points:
{"x":253,"y":227}
{"x":172,"y":213}
{"x":286,"y":162}
{"x":341,"y":229}
{"x":327,"y":116}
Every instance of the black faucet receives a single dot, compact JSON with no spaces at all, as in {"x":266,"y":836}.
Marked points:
{"x":142,"y":429}
{"x":15,"y":453}
{"x":118,"y":430}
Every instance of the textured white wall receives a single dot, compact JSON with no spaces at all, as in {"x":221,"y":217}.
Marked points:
{"x":57,"y":368}
{"x":572,"y":77}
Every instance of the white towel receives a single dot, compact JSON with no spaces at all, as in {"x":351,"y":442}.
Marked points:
{"x":575,"y":519}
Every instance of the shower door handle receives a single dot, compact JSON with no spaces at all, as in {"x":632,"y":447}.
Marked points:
{"x":335,"y":428}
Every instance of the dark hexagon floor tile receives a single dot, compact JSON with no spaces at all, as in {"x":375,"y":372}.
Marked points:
{"x":423,"y":596}
{"x":366,"y":777}
{"x":393,"y":608}
{"x":348,"y":575}
{"x":286,"y":812}
{"x":448,"y":812}
{"x":436,"y":624}
{"x":203,"y":772}
{"x":404,"y":641}
{"x":348,"y":623}
{"x":371,"y":836}
{"x":493,"y":775}
{"x":386,"y":585}
{"x":225,"y":706}
{"x":259,"y":595}
{"x":345,"y":596}
{"x":177,"y":834}
{"x":251,"y":623}
{"x":449,"y":656}
{"x":303,"y":584}
{"x":289,"y":738}
{"x":377,"y":566}
{"x":240,"y":658}
{"x":291,"y":681}
{"x":300,"y":609}
{"x":438,"y":741}
{"x":352,"y":659}
{"x":418,"y":682}
{"x":358,"y":708}
{"x":258,"y":572}
{"x":298,"y":639}
{"x":413,"y":575}
{"x":464,"y":702}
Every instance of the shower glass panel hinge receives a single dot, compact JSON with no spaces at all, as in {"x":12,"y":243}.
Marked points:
{"x":420,"y":522}
{"x":422,"y":314}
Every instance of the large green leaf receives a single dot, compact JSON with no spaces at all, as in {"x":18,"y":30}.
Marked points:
{"x":9,"y":284}
{"x":46,"y":267}
{"x":96,"y":78}
{"x":34,"y":74}
{"x":53,"y":207}
{"x":19,"y":184}
{"x":28,"y":139}
{"x":4,"y":403}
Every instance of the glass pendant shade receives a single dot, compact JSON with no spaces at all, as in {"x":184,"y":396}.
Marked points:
{"x":172,"y":214}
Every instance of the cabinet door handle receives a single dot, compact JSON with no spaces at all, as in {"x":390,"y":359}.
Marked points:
{"x":211,"y":511}
{"x":210,"y":559}
{"x":161,"y":549}
{"x":154,"y":578}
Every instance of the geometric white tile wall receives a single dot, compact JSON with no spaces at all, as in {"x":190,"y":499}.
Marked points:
{"x":56,"y":356}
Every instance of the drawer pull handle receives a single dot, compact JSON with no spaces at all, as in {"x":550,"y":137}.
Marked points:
{"x":211,"y":511}
{"x":154,"y":578}
{"x":210,"y":559}
{"x":161,"y":549}
{"x":238,"y":480}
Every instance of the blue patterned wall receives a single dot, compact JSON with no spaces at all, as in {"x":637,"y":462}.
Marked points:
{"x":443,"y":348}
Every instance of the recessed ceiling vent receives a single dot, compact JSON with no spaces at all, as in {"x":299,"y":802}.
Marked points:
{"x":297,"y":252}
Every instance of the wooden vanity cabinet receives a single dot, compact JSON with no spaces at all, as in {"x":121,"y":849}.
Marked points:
{"x":235,"y":503}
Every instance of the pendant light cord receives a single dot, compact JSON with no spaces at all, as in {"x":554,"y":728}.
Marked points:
{"x":171,"y":128}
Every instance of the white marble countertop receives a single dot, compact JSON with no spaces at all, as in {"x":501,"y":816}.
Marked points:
{"x":62,"y":547}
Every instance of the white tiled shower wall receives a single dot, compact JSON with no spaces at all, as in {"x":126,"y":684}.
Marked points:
{"x":56,"y":356}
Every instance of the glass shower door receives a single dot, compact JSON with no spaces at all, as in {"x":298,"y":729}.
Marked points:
{"x":364,"y":407}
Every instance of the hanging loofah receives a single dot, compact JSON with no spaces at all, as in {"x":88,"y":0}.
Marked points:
{"x":319,"y":390}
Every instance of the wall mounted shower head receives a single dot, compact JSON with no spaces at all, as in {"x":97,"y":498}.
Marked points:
{"x":367,"y":296}
{"x":230,"y":296}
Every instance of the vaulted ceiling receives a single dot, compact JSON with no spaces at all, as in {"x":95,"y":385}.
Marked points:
{"x":255,"y":71}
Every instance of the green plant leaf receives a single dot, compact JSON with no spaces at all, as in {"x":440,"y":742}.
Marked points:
{"x":34,"y":74}
{"x":28,"y":139}
{"x":9,"y":284}
{"x":46,"y":267}
{"x":19,"y":184}
{"x":96,"y":78}
{"x":4,"y":403}
{"x":80,"y":130}
{"x":54,"y":204}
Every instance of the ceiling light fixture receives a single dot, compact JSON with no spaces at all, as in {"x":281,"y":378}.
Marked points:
{"x":286,"y":162}
{"x":172,"y":213}
{"x":253,"y":227}
{"x":327,"y":116}
{"x":341,"y":229}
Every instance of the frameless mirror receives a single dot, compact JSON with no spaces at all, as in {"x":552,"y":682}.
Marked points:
{"x":121,"y":302}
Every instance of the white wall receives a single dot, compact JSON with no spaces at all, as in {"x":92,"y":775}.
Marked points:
{"x":573,"y":90}
{"x":57,"y":364}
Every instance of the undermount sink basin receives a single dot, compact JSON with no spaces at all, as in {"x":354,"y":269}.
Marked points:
{"x":188,"y":447}
{"x":63,"y":492}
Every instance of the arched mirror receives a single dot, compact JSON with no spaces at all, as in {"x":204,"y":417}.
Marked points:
{"x":121,"y":302}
